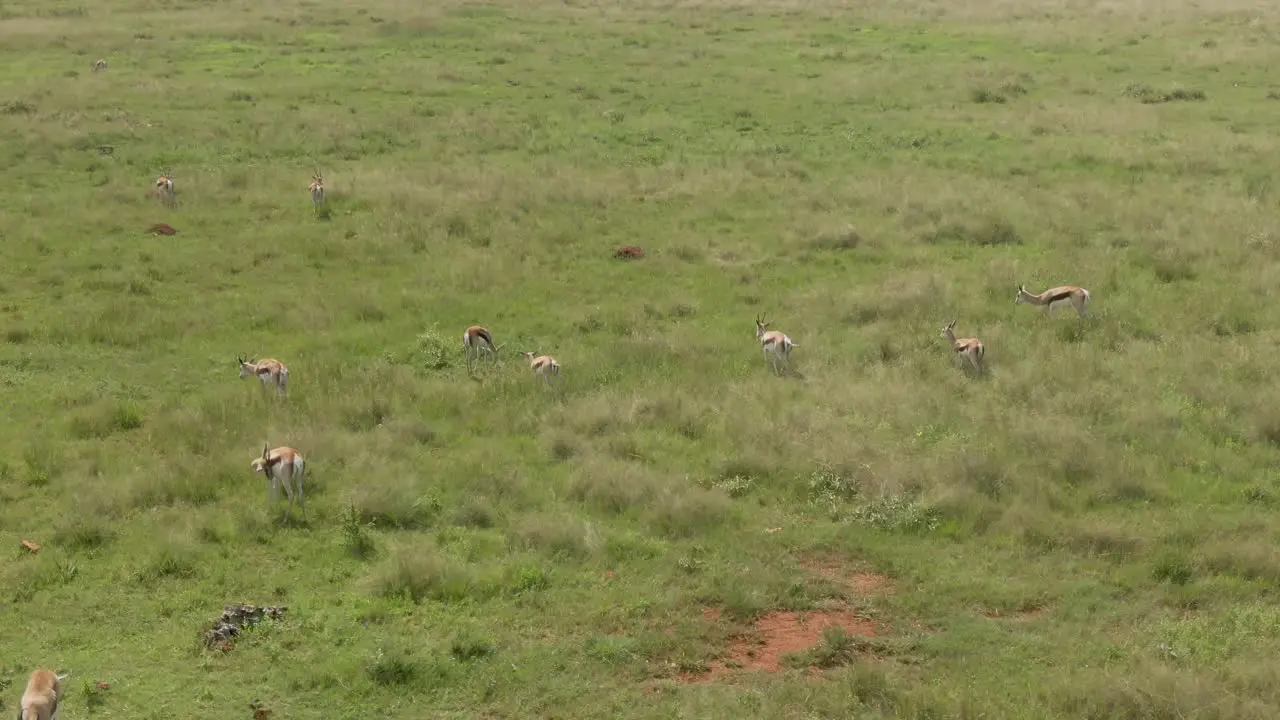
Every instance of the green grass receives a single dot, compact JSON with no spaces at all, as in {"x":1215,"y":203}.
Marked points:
{"x":1088,"y":531}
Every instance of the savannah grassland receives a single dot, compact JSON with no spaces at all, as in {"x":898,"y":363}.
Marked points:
{"x":1089,"y":531}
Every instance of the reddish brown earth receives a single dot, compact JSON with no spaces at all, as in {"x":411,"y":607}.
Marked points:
{"x":861,"y":582}
{"x":628,"y":252}
{"x":161,"y":229}
{"x":775,"y":635}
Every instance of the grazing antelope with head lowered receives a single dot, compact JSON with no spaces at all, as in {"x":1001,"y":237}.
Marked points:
{"x":317,"y":191}
{"x":40,"y":701}
{"x":776,"y":345}
{"x":164,"y":188}
{"x":476,"y":340}
{"x":543,"y":366}
{"x":100,"y":65}
{"x":970,"y":348}
{"x":1054,"y":298}
{"x":282,"y":466}
{"x":269,"y":371}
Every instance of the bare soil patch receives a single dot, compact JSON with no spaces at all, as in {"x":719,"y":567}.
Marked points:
{"x":861,"y":582}
{"x":775,"y":635}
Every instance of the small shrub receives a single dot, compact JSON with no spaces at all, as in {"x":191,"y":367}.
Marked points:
{"x":355,"y":533}
{"x":395,"y":506}
{"x":569,"y":539}
{"x":1171,"y":269}
{"x":84,"y":534}
{"x":1173,"y":569}
{"x":1148,"y":95}
{"x":40,"y":465}
{"x":684,"y":513}
{"x":105,"y":419}
{"x":735,"y":487}
{"x":525,"y":579}
{"x":430,"y":351}
{"x":170,"y":561}
{"x":1257,"y":495}
{"x":836,"y":648}
{"x":395,"y":668}
{"x":847,"y":239}
{"x":467,"y":646}
{"x":899,"y":513}
{"x":366,"y":414}
{"x":475,"y":512}
{"x":418,"y":575}
{"x":831,"y":490}
{"x":984,"y":232}
{"x":986,"y":95}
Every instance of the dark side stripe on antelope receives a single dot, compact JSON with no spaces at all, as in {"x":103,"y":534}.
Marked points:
{"x":1064,"y":295}
{"x":484,"y":335}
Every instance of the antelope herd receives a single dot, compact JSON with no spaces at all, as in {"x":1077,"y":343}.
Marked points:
{"x":284,"y":466}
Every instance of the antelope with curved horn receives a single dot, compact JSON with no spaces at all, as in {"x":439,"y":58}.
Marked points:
{"x":476,"y":340}
{"x":317,"y":191}
{"x":269,"y":371}
{"x":971,"y":348}
{"x":543,"y":366}
{"x":1056,"y":297}
{"x":775,"y":344}
{"x":282,"y":465}
{"x":164,"y":188}
{"x":40,"y":701}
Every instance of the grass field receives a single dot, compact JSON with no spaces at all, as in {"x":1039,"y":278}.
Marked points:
{"x":1086,"y":531}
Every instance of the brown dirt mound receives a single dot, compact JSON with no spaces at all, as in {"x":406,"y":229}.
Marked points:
{"x":628,"y":252}
{"x":161,"y":229}
{"x":775,"y":635}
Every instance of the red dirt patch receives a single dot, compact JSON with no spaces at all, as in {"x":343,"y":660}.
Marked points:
{"x":775,"y":635}
{"x":628,"y":252}
{"x":161,"y":229}
{"x":861,"y":582}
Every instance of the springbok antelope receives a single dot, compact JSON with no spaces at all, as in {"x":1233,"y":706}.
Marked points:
{"x":100,"y":65}
{"x":776,"y":345}
{"x":164,"y":187}
{"x":1054,"y":298}
{"x":40,"y":701}
{"x":970,"y":348}
{"x":317,"y":191}
{"x":543,"y":366}
{"x":269,"y":371}
{"x":476,"y":340}
{"x":282,"y":465}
